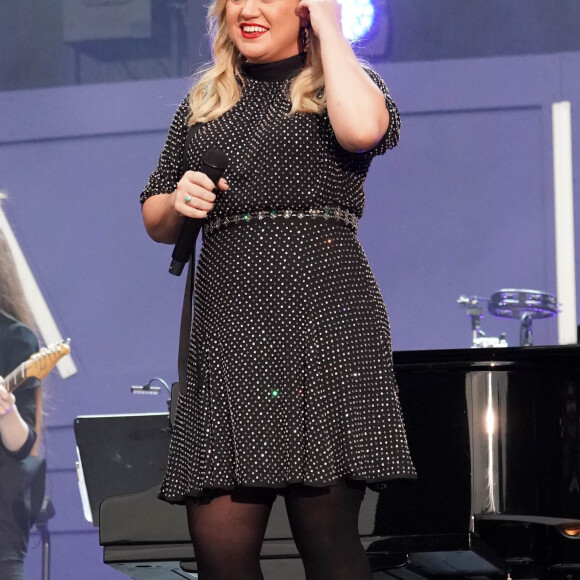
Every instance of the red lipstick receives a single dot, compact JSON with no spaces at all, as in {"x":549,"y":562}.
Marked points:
{"x":253,"y":34}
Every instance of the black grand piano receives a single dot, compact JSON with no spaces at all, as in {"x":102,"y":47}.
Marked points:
{"x":495,"y":436}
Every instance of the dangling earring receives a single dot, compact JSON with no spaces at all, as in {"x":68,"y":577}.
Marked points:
{"x":304,"y":38}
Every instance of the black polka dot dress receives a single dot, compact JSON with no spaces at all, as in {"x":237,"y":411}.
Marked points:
{"x":290,"y":376}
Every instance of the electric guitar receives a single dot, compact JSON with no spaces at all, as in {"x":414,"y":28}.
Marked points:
{"x":38,"y":365}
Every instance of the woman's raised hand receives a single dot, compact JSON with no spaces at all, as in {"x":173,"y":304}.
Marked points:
{"x":194,"y":196}
{"x":323,"y":15}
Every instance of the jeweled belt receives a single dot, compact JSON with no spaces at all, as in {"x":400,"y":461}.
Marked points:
{"x":327,"y":212}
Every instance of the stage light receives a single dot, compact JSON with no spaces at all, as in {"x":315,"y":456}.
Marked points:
{"x":357,"y":18}
{"x":367,"y":25}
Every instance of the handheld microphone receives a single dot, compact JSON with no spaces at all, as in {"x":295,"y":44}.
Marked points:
{"x":213,"y":164}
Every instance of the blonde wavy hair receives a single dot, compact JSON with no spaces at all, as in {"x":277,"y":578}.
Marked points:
{"x":219,"y":86}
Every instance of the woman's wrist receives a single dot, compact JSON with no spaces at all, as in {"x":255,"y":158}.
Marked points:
{"x":7,"y":411}
{"x":14,"y":432}
{"x":162,"y":220}
{"x":330,"y":32}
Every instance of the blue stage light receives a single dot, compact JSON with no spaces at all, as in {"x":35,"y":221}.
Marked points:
{"x":357,"y":18}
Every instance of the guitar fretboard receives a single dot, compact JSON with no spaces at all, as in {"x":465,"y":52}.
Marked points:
{"x":38,"y":365}
{"x":16,"y":377}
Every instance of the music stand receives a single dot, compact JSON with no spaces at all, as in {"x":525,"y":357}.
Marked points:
{"x":119,"y":454}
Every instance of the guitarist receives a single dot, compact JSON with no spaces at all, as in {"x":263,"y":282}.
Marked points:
{"x":22,"y":472}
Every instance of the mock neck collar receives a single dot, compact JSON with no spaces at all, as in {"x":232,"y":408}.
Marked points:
{"x":279,"y":70}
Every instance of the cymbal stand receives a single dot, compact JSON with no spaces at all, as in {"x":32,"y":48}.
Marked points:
{"x":526,"y":320}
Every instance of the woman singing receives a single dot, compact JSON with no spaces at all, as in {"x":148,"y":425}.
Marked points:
{"x":290,"y":380}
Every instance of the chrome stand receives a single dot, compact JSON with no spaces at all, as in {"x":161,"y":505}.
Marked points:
{"x":46,"y":513}
{"x":475,"y":312}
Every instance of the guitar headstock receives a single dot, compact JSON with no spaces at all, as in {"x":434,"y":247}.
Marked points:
{"x":41,"y":363}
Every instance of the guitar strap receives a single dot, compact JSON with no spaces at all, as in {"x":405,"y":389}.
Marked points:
{"x":186,"y":310}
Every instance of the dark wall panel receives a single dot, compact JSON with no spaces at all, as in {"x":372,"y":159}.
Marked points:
{"x":33,"y":51}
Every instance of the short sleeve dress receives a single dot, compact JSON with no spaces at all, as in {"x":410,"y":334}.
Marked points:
{"x":290,"y":375}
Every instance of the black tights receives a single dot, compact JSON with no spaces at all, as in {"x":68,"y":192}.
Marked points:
{"x":227,"y":532}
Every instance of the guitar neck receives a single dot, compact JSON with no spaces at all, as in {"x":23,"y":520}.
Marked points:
{"x":38,"y":365}
{"x":16,"y":377}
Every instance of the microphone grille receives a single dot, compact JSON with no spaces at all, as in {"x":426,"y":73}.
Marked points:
{"x":215,"y":158}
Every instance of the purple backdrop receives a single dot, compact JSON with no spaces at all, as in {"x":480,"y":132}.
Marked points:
{"x":463,"y":205}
